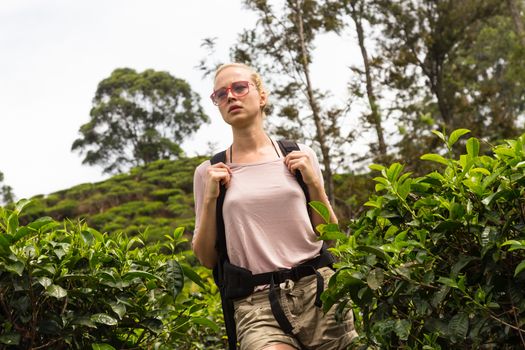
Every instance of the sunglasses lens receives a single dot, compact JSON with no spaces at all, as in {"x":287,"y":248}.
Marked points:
{"x":240,"y":88}
{"x":221,"y":95}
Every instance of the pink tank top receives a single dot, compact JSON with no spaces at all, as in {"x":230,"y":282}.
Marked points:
{"x":265,"y":215}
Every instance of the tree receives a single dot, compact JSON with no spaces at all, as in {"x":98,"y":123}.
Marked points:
{"x":138,"y":118}
{"x":280,"y":46}
{"x":6,"y":192}
{"x":360,"y":11}
{"x":517,"y":19}
{"x":443,"y":77}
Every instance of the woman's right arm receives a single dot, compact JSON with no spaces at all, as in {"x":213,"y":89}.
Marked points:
{"x":206,"y":190}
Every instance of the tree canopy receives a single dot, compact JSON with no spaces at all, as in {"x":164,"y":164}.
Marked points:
{"x":138,"y":118}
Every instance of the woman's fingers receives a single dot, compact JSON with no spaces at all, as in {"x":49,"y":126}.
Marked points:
{"x":297,"y":160}
{"x":300,"y":161}
{"x":218,"y":173}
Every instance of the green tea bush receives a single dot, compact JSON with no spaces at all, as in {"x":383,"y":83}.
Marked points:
{"x":438,"y":261}
{"x":67,"y":286}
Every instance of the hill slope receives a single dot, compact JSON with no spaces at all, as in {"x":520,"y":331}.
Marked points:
{"x":155,"y":198}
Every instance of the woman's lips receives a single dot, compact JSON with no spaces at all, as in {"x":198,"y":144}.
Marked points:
{"x":233,"y":108}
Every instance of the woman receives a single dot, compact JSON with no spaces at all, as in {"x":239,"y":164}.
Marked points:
{"x":267,"y":225}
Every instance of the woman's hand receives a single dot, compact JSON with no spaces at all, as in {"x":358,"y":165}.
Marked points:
{"x":217,"y":174}
{"x":298,"y":160}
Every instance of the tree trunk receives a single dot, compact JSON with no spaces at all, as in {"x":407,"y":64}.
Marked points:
{"x":320,"y":133}
{"x":517,"y":20}
{"x":376,"y":117}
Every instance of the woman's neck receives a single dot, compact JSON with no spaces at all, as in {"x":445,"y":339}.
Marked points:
{"x":249,"y":140}
{"x":252,"y":146}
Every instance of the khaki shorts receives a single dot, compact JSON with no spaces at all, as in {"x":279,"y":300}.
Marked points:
{"x":257,"y":327}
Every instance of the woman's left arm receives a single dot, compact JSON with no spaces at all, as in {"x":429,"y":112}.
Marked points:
{"x":309,"y":168}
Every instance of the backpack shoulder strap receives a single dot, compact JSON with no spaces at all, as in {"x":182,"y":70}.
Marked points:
{"x":286,"y":147}
{"x":220,"y":244}
{"x":218,"y":270}
{"x":218,"y":157}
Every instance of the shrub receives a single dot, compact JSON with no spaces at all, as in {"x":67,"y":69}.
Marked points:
{"x":67,"y":286}
{"x":438,"y":261}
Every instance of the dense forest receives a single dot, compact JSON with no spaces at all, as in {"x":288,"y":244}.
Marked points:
{"x":431,"y":234}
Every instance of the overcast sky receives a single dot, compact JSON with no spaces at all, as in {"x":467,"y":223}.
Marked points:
{"x":53,"y":53}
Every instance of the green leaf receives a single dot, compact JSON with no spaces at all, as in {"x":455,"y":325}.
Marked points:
{"x":506,"y":194}
{"x":392,"y":230}
{"x":321,"y":209}
{"x":447,"y":282}
{"x":404,"y":189}
{"x":128,"y":276}
{"x":480,"y":171}
{"x":463,"y":261}
{"x":87,"y":237}
{"x":40,"y":222}
{"x":379,"y":187}
{"x":177,"y":233}
{"x":447,"y":226}
{"x":153,"y":324}
{"x":10,"y":338}
{"x":21,"y":204}
{"x":504,"y":151}
{"x":330,"y":235}
{"x":376,"y":167}
{"x":118,"y":308}
{"x":5,"y":245}
{"x":104,"y":319}
{"x":21,"y":233}
{"x":402,"y":329}
{"x":456,"y":134}
{"x":434,"y":158}
{"x":12,"y":224}
{"x":192,"y":275}
{"x":56,"y":291}
{"x":373,"y":203}
{"x":16,"y":267}
{"x":440,"y":295}
{"x":373,"y":250}
{"x":83,"y":321}
{"x":473,"y":147}
{"x":440,"y":135}
{"x":207,"y":323}
{"x":458,"y":325}
{"x":174,"y":277}
{"x":375,"y":278}
{"x":101,"y":346}
{"x":393,"y":171}
{"x":381,"y":180}
{"x":514,"y":244}
{"x":519,"y":268}
{"x":45,"y":281}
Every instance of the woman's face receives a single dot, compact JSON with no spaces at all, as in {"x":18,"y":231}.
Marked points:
{"x":241,"y":110}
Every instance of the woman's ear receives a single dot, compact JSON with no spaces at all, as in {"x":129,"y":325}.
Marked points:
{"x":263,"y":99}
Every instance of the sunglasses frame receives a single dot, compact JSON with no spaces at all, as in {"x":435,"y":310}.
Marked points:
{"x":228,"y":89}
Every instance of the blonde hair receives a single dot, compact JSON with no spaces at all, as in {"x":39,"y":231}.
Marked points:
{"x":253,"y":75}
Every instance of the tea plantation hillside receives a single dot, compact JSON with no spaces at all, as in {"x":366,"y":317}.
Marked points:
{"x":154,"y":199}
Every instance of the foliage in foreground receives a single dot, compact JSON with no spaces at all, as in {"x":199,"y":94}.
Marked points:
{"x":67,"y":286}
{"x":438,"y":261}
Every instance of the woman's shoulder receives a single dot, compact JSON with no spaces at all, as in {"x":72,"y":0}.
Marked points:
{"x":306,"y":148}
{"x":201,"y":168}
